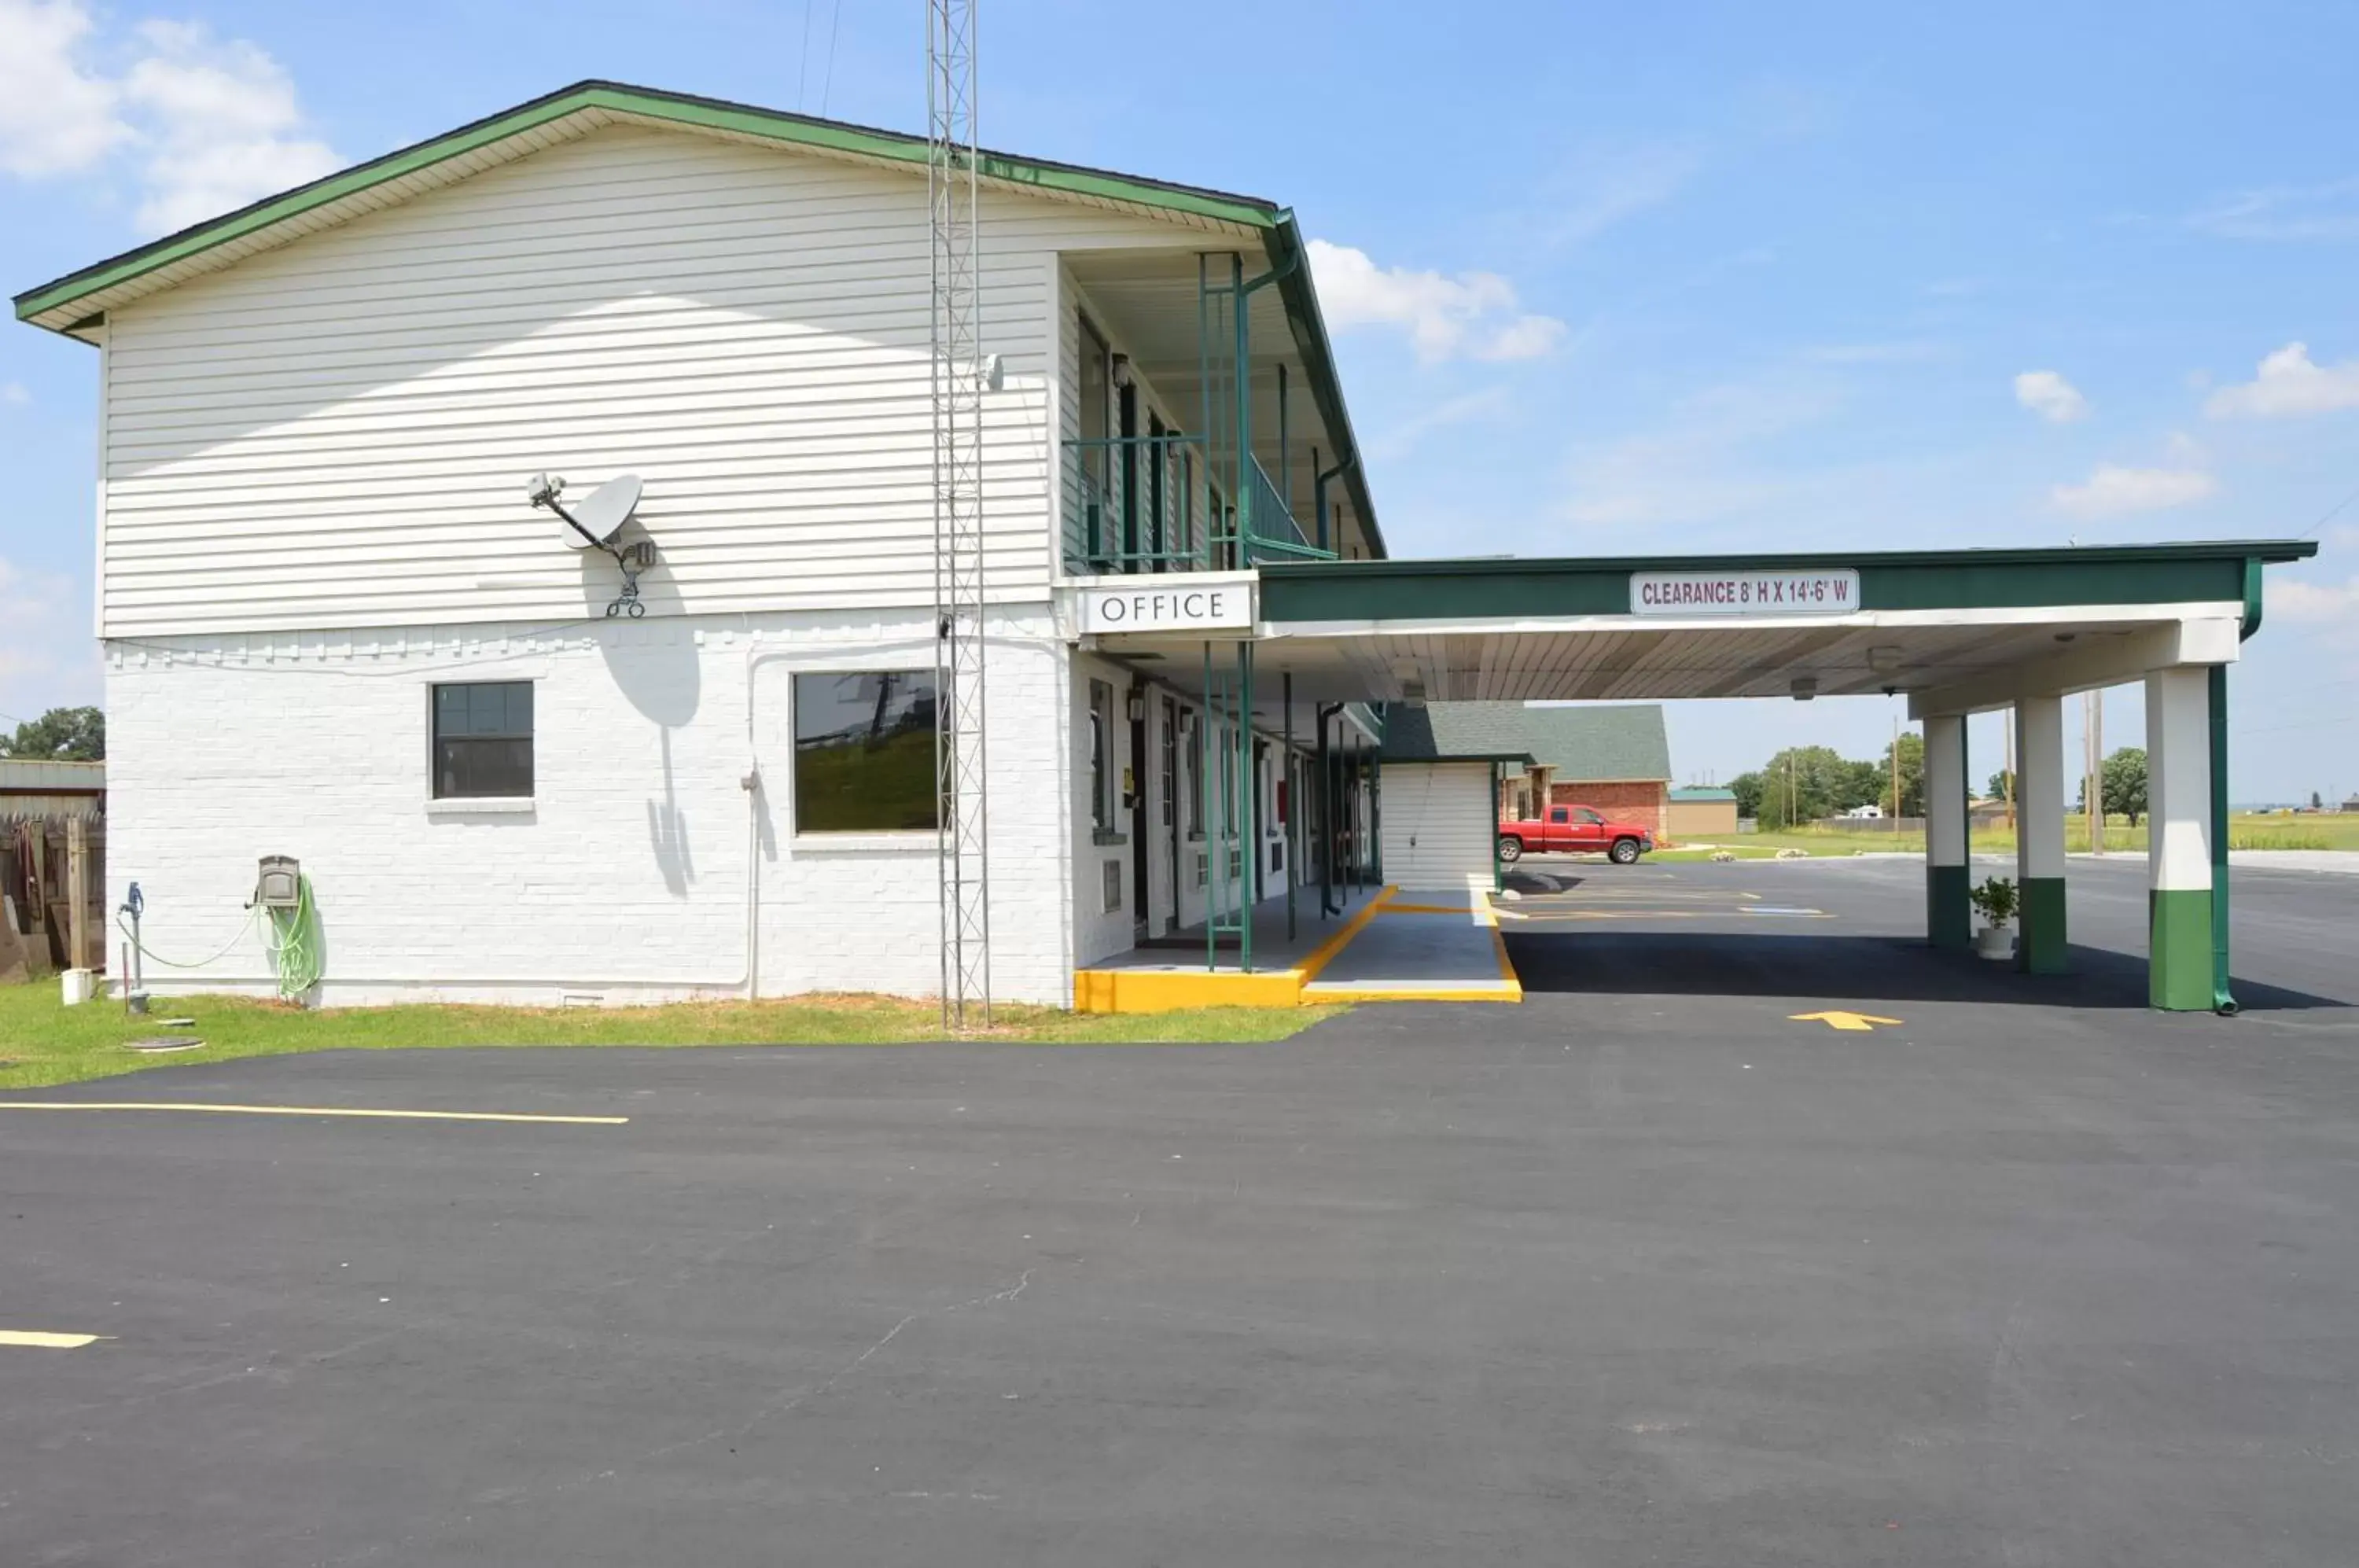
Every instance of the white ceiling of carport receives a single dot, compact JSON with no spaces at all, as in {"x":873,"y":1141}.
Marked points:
{"x":1634,"y":663}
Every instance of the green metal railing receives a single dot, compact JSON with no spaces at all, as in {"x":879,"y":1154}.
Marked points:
{"x":1138,"y":504}
{"x":1270,"y":532}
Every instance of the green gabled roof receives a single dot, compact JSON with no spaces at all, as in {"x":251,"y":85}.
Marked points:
{"x":65,"y":303}
{"x":1625,"y":741}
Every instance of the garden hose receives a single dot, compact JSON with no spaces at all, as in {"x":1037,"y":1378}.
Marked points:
{"x":154,"y":957}
{"x":295,"y":945}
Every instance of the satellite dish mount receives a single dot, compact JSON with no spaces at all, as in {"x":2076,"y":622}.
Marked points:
{"x":595,"y":523}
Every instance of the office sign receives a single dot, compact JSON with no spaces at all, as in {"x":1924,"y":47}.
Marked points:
{"x":1170,"y":603}
{"x":1818,"y":593}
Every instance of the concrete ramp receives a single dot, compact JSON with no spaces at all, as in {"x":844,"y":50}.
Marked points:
{"x":1423,"y":944}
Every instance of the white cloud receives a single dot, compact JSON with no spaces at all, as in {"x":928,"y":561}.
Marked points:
{"x":15,"y":394}
{"x":2113,"y":491}
{"x":2292,"y":600}
{"x":1603,"y":185}
{"x":46,"y":655}
{"x":2046,"y":394}
{"x":1903,"y":352}
{"x":2288,"y":383}
{"x":1717,"y":455}
{"x":204,"y":125}
{"x":225,"y":124}
{"x":1397,"y":441}
{"x":55,"y":118}
{"x":2328,"y":211}
{"x":1470,"y":315}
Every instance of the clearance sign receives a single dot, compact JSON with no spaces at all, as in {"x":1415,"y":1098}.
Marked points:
{"x":1745,"y":593}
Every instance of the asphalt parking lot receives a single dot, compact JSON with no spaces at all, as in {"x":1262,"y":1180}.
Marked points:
{"x":1644,"y":1270}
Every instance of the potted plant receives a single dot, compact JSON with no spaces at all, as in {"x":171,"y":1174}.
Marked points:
{"x":1996,"y":902}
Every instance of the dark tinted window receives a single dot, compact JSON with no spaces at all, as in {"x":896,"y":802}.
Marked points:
{"x":864,"y":752}
{"x":483,"y":740}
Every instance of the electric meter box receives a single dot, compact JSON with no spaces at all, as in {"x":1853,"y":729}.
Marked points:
{"x":280,"y":884}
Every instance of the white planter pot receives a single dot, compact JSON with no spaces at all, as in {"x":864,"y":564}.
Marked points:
{"x":1995,"y":942}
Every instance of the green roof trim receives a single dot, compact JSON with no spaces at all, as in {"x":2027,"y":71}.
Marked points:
{"x":679,"y":108}
{"x":1589,"y":743}
{"x":1695,"y":793}
{"x":2211,"y":572}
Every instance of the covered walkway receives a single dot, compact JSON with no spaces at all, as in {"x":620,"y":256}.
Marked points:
{"x":1954,"y":632}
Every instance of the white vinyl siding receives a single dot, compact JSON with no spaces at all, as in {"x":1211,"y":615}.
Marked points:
{"x":1438,"y":823}
{"x":337,"y":433}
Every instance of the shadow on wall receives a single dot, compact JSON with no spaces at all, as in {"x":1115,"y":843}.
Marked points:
{"x":655,"y":665}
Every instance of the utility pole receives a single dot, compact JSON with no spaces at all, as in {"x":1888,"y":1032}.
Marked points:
{"x":1893,"y":815}
{"x":2006,"y":775}
{"x":2095,"y":786}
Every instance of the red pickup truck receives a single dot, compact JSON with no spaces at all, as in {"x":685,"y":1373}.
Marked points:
{"x":1575,"y":829}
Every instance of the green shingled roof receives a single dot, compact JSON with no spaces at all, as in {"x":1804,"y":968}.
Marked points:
{"x":1698,"y":792}
{"x":1582,"y":744}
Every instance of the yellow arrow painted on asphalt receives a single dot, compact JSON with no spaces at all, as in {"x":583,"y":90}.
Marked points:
{"x":1859,"y":1022}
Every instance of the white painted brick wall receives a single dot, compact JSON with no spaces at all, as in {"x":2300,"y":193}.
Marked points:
{"x":628,"y":880}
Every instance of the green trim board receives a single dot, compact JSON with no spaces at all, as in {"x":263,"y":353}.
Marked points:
{"x":1949,"y":913}
{"x":1501,"y":588}
{"x":2042,"y":945}
{"x":2180,"y":961}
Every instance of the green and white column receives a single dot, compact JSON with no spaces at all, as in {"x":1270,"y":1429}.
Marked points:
{"x":2040,"y":833}
{"x":2187,"y":839}
{"x":1948,"y":916}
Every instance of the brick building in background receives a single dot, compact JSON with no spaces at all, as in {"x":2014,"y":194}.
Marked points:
{"x":1616,"y":758}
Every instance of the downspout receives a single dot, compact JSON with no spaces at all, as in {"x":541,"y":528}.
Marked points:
{"x":1286,"y":775}
{"x":1319,"y":490}
{"x":1327,"y":794}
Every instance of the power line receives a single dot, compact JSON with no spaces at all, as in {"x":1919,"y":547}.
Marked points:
{"x":827,"y":81}
{"x":2332,"y":513}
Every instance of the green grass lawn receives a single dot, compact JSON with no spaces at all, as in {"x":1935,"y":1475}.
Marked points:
{"x":2246,"y":831}
{"x":43,"y":1042}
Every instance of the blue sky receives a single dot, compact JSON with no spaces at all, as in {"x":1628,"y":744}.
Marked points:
{"x":1605,"y":277}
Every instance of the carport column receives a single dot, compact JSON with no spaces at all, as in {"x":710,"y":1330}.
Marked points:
{"x":1948,"y":916}
{"x":2186,"y":852}
{"x":2040,"y":833}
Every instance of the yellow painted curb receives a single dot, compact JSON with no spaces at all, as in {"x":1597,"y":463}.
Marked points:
{"x":1437,"y":994}
{"x":1171,"y":991}
{"x":1324,"y":953}
{"x":1168,"y":991}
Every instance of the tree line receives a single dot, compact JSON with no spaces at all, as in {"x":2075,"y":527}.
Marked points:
{"x":61,"y":735}
{"x":1805,"y":783}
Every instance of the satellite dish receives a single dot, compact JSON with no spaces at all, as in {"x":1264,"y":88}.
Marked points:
{"x":596,"y":523}
{"x":597,"y":519}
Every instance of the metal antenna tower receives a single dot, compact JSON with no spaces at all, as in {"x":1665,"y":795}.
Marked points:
{"x":962,"y":801}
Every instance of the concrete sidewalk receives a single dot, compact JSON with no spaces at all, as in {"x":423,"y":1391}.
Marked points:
{"x":1424,"y":945}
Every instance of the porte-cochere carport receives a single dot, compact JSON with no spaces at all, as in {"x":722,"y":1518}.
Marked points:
{"x":1956,"y":632}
